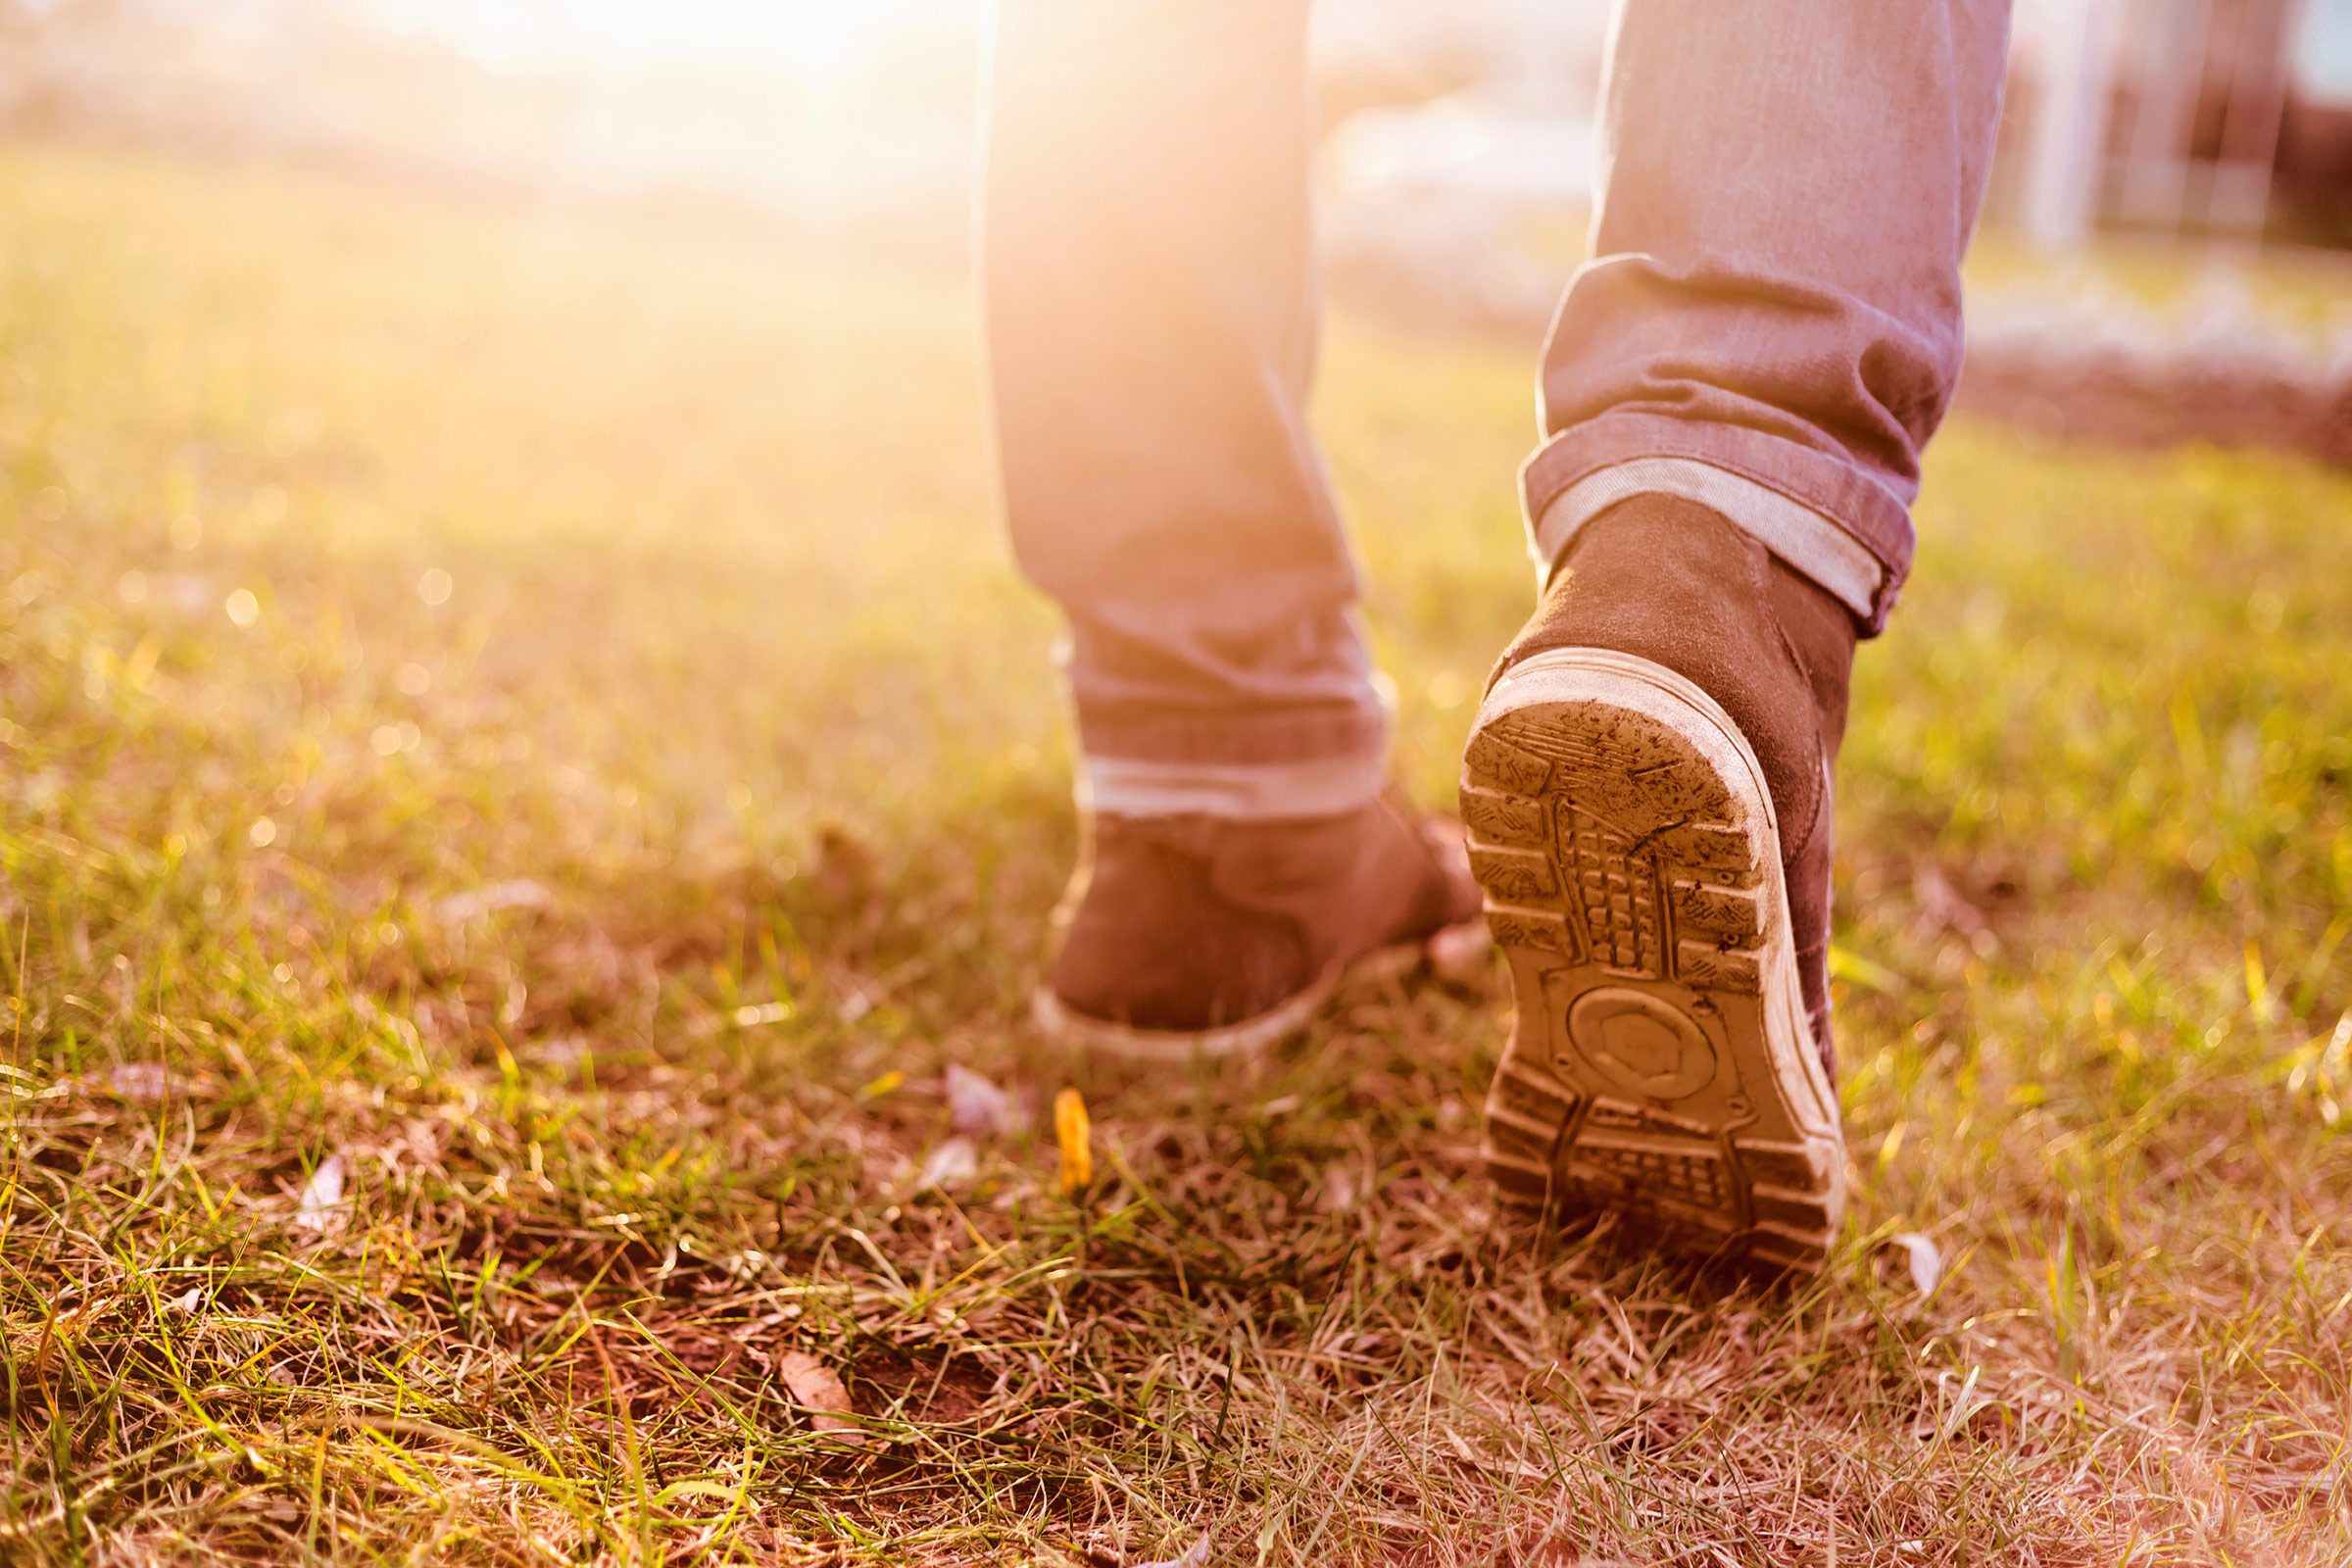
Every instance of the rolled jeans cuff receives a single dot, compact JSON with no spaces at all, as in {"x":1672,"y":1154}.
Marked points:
{"x":1844,"y":530}
{"x":1254,"y":767}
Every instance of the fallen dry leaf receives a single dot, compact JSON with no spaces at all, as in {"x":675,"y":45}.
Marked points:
{"x":140,"y":1083}
{"x":1926,"y":1259}
{"x":752,"y":1015}
{"x":1196,"y":1557}
{"x":1076,"y":1136}
{"x":815,"y":1389}
{"x":320,"y":1204}
{"x":977,"y":1108}
{"x":952,"y":1163}
{"x":522,"y":894}
{"x":135,"y":1082}
{"x":888,"y":1083}
{"x":1943,"y":908}
{"x":1460,"y":953}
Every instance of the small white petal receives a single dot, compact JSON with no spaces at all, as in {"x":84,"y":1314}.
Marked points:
{"x":1926,"y":1260}
{"x":1460,"y":953}
{"x":321,"y":1197}
{"x":977,"y":1108}
{"x":521,"y":894}
{"x":952,"y":1163}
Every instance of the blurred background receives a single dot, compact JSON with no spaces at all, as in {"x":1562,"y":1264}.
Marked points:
{"x":2166,"y":244}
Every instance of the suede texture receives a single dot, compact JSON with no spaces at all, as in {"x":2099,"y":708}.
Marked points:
{"x":1674,"y":582}
{"x":1195,"y":922}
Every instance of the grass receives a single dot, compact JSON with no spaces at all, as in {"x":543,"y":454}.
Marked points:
{"x":528,"y":712}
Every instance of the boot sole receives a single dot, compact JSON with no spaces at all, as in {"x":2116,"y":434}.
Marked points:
{"x":1660,"y":1068}
{"x":1449,"y":949}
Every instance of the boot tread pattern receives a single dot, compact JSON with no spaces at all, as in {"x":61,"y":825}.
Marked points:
{"x":1636,"y":890}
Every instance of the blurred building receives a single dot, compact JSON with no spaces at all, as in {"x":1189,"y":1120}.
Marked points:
{"x":2170,"y":117}
{"x":2226,"y":116}
{"x":2165,"y":117}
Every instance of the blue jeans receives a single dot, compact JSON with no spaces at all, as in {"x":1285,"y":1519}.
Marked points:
{"x":1770,"y":324}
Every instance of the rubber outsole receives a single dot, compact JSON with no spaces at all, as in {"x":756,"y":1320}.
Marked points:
{"x":1660,"y":1068}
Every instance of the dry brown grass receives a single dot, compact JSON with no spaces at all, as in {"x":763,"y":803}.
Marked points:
{"x":744,"y":855}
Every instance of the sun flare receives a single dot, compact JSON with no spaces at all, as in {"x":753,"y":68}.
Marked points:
{"x":811,"y":42}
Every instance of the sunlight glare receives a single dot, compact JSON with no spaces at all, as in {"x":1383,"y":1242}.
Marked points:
{"x":811,"y":41}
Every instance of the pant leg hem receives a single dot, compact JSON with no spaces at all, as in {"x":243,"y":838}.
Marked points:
{"x":1249,"y":764}
{"x":1125,"y":786}
{"x":1798,"y":534}
{"x":1863,"y":505}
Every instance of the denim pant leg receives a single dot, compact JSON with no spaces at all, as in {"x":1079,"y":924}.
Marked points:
{"x":1770,"y":324}
{"x":1150,"y":314}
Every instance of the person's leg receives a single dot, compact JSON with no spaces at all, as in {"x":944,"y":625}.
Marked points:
{"x":1736,"y":392}
{"x":1150,"y":331}
{"x":1151,"y":310}
{"x":1769,"y":323}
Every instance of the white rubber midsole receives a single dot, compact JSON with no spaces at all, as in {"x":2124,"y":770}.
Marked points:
{"x":1448,"y":947}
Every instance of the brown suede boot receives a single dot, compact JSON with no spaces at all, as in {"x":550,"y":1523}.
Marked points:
{"x":1200,"y":936}
{"x":1648,"y":794}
